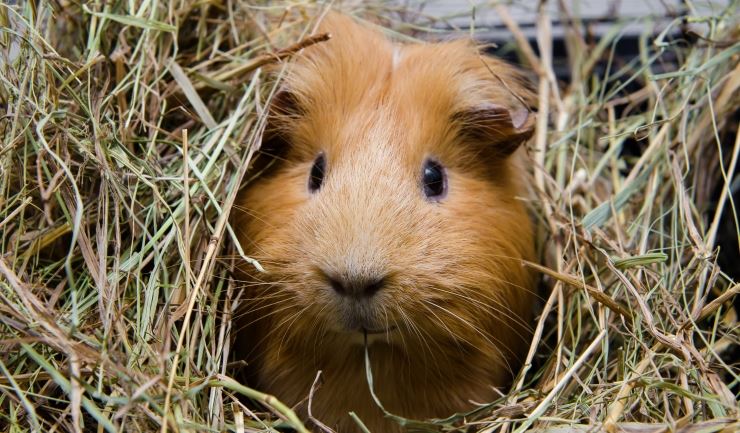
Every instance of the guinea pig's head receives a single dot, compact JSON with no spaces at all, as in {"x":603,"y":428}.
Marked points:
{"x":392,"y":206}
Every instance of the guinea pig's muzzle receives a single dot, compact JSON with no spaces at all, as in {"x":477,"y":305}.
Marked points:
{"x":356,"y":299}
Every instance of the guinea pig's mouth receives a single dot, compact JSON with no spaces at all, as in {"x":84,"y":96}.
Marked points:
{"x":361,"y":318}
{"x":378,"y":331}
{"x":364,"y":336}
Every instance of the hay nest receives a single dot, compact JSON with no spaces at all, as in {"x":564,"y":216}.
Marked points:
{"x":116,"y":295}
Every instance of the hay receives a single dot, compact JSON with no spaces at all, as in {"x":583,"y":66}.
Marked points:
{"x":116,"y":295}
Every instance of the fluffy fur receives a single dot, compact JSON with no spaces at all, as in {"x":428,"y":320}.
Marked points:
{"x":456,"y":303}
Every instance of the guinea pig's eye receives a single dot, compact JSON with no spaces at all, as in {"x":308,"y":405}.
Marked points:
{"x":434,"y":179}
{"x":316,"y":177}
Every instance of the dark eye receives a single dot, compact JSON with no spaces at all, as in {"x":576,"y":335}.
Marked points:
{"x":434,"y":180}
{"x":317,"y":173}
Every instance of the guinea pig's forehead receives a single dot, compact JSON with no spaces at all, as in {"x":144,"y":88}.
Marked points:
{"x":368,"y":131}
{"x":403,"y":125}
{"x":389,"y":146}
{"x":368,"y":155}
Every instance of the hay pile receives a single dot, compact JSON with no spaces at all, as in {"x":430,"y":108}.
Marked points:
{"x":116,"y":297}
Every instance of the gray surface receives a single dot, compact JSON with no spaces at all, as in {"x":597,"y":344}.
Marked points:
{"x":637,"y":15}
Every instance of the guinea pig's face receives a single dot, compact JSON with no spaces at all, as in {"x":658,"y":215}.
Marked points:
{"x":392,"y":210}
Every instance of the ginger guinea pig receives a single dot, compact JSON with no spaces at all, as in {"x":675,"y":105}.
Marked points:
{"x":393,"y":211}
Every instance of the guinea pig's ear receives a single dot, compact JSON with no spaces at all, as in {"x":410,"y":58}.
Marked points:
{"x":282,"y":110}
{"x":497,"y":127}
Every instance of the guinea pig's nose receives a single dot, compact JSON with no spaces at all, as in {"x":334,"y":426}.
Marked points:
{"x":357,"y":287}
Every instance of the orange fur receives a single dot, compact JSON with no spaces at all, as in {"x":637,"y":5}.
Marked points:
{"x":457,"y":300}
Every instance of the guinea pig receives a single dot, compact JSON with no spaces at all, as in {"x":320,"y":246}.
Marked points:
{"x":390,"y":215}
